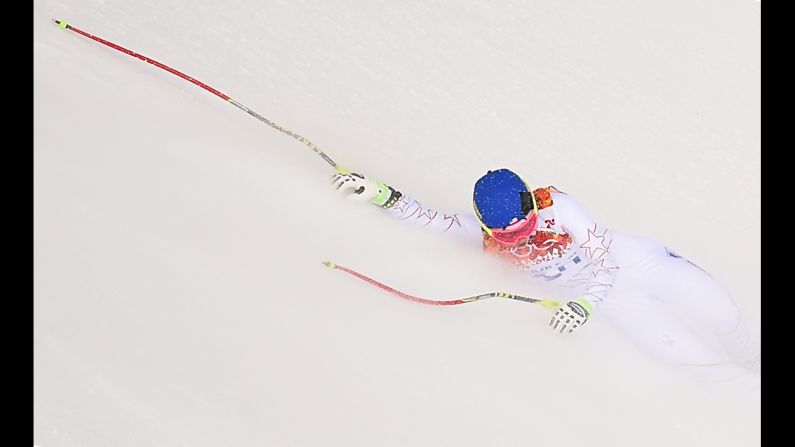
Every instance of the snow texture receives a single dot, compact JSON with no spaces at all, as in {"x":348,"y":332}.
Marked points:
{"x":180,"y":298}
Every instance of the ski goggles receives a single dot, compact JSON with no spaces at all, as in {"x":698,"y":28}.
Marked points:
{"x":522,"y":228}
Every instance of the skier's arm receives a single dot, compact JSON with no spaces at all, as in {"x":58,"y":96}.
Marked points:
{"x":414,"y":212}
{"x":594,"y":242}
{"x":402,"y":207}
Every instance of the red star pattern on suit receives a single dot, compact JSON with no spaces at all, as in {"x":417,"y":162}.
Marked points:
{"x":595,"y":243}
{"x":600,"y":267}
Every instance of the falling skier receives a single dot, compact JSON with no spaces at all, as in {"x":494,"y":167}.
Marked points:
{"x":644,"y":289}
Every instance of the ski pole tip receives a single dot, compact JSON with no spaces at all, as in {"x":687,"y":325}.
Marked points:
{"x":330,"y":264}
{"x":61,"y":24}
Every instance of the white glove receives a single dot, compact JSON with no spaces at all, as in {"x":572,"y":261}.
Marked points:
{"x":361,"y":188}
{"x":570,"y":316}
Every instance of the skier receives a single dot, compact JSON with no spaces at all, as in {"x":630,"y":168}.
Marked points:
{"x":644,"y":289}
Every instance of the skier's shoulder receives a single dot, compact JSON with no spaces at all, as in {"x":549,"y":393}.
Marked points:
{"x":546,"y":196}
{"x":554,"y":201}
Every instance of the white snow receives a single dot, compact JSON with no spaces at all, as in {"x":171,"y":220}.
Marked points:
{"x":180,"y":297}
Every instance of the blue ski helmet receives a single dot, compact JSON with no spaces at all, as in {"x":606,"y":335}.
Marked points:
{"x":500,"y":197}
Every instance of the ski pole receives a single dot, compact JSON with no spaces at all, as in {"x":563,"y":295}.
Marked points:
{"x":549,"y":304}
{"x":215,"y":92}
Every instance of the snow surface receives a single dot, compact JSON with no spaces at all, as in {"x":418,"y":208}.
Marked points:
{"x":180,"y":297}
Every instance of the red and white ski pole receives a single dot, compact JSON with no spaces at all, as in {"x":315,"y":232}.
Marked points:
{"x":215,"y":92}
{"x":546,"y":303}
{"x":549,"y":304}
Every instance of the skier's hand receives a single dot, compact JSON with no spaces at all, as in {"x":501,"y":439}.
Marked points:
{"x":362,"y":188}
{"x":570,"y":316}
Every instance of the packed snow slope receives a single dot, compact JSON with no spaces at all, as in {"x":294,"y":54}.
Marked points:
{"x":180,"y":297}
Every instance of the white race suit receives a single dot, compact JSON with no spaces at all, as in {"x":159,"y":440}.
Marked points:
{"x":658,"y":299}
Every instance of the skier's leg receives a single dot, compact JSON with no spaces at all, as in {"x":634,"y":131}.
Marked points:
{"x":650,"y":325}
{"x":692,"y":293}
